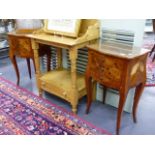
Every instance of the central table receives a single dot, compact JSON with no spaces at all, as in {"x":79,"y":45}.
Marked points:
{"x":65,"y":83}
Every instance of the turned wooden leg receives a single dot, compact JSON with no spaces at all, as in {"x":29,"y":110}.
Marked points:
{"x":89,"y":92}
{"x":74,"y":108}
{"x":14,"y":62}
{"x":29,"y":67}
{"x":35,"y":47}
{"x":74,"y":92}
{"x":138,"y":92}
{"x":74,"y":100}
{"x":122,"y":100}
{"x":104,"y":93}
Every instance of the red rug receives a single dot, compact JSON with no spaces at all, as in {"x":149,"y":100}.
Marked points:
{"x":23,"y":113}
{"x":150,"y":66}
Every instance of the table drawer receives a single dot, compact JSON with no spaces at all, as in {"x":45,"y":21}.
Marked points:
{"x":105,"y":69}
{"x":21,"y":46}
{"x":55,"y":89}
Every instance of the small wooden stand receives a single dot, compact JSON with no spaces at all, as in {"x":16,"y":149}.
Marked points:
{"x":119,"y":67}
{"x":20,"y":46}
{"x":67,"y":84}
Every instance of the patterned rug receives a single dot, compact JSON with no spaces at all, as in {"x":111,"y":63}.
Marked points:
{"x":150,"y":67}
{"x":23,"y":113}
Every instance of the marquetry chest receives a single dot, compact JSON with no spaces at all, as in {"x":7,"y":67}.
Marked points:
{"x":116,"y":66}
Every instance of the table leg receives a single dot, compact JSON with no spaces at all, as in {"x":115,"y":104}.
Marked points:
{"x":14,"y":62}
{"x":104,"y":93}
{"x":35,"y":47}
{"x":94,"y":90}
{"x":152,"y":50}
{"x":89,"y":92}
{"x":138,"y":92}
{"x":74,"y":104}
{"x":123,"y":95}
{"x":29,"y":67}
{"x":74,"y":100}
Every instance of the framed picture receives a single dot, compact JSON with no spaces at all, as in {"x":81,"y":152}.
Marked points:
{"x":66,"y":27}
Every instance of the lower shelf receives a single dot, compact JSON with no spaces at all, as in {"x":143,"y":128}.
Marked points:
{"x":58,"y":82}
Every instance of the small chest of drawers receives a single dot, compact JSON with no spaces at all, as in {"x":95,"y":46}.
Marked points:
{"x":119,"y":67}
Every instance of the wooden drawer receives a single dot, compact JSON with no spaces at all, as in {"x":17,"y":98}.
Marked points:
{"x":54,"y":89}
{"x":21,"y":46}
{"x":105,"y":69}
{"x":59,"y":83}
{"x":24,"y":48}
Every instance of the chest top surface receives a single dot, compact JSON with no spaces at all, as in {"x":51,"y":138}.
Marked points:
{"x":117,"y":49}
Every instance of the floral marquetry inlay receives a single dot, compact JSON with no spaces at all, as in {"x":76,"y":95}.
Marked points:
{"x":112,"y":67}
{"x":25,"y":45}
{"x":107,"y":69}
{"x":137,"y":67}
{"x":20,"y":45}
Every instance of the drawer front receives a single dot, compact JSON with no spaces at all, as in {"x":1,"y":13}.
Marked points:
{"x":106,"y":69}
{"x":25,"y":47}
{"x":51,"y":88}
{"x":21,"y":46}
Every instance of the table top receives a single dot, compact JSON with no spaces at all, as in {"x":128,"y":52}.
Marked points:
{"x":54,"y":38}
{"x":59,"y":39}
{"x":47,"y":37}
{"x":117,"y":49}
